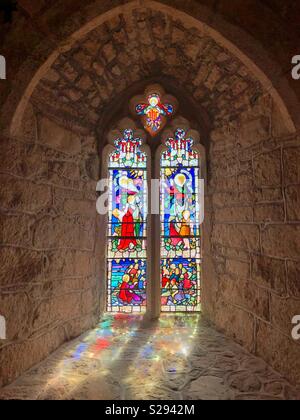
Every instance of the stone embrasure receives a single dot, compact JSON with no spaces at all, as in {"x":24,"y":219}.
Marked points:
{"x":49,"y":253}
{"x":178,"y":357}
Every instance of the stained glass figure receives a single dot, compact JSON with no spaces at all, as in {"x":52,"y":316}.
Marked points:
{"x":180,"y":291}
{"x":126,"y":271}
{"x":154,"y":113}
{"x":180,"y":225}
{"x":127,"y":279}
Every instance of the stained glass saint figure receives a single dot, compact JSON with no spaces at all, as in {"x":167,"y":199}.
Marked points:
{"x":154,"y":113}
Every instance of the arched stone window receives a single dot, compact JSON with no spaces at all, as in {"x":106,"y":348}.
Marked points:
{"x":154,"y":244}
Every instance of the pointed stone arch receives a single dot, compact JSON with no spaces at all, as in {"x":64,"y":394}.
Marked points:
{"x":247,"y":52}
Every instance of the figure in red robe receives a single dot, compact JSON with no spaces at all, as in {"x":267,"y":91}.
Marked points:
{"x":127,"y":231}
{"x":174,"y":235}
{"x":187,"y":284}
{"x":165,"y":277}
{"x":127,"y":294}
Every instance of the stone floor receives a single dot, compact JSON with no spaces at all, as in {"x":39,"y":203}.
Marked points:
{"x":178,"y":357}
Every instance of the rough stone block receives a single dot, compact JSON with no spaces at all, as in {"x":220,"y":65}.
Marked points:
{"x":58,"y":137}
{"x":83,"y":58}
{"x":267,"y":169}
{"x":222,"y":183}
{"x":292,"y":195}
{"x":68,"y":263}
{"x":178,"y":35}
{"x":263,"y":195}
{"x":85,"y":83}
{"x":234,"y":214}
{"x":65,"y":175}
{"x":283,"y":311}
{"x":215,"y":75}
{"x":64,"y":232}
{"x":281,"y":241}
{"x":254,"y":131}
{"x":20,"y":266}
{"x":237,"y":236}
{"x":291,"y":163}
{"x":236,"y":323}
{"x":15,"y":230}
{"x":80,"y":208}
{"x":279,"y":350}
{"x":293,"y":278}
{"x":245,"y":182}
{"x":269,"y":273}
{"x":240,"y":269}
{"x":31,"y":163}
{"x":224,"y":134}
{"x":24,"y":196}
{"x":109,"y":52}
{"x":268,"y":213}
{"x":69,"y":72}
{"x":59,"y":308}
{"x":245,"y":294}
{"x":88,"y":301}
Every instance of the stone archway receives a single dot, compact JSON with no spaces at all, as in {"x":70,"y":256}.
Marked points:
{"x":216,"y":22}
{"x":51,"y":165}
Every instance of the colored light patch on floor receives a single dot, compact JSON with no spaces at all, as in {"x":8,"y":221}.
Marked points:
{"x":178,"y":357}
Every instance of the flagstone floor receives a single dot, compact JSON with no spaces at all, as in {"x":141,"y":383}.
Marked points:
{"x":179,"y":357}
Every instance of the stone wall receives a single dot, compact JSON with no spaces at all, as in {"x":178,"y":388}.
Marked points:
{"x":48,"y":282}
{"x":255,"y":239}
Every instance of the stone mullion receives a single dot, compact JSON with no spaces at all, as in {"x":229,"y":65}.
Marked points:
{"x":153,"y":235}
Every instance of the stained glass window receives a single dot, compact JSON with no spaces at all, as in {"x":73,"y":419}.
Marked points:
{"x":180,"y":226}
{"x":126,"y":268}
{"x":154,"y":113}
